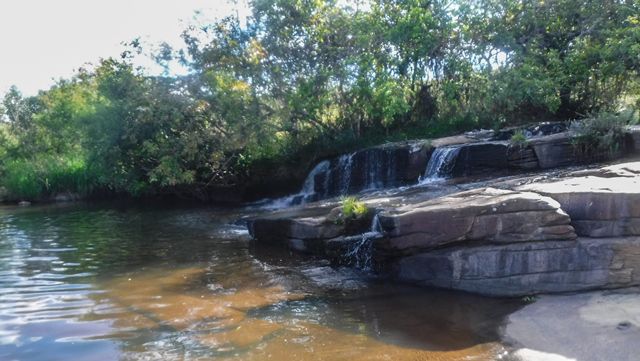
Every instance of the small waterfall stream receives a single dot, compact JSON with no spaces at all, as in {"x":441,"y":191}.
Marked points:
{"x":440,"y":164}
{"x":361,"y":253}
{"x":309,"y":191}
{"x":345,"y":164}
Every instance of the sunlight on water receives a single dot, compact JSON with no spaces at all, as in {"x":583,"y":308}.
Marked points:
{"x":116,"y":283}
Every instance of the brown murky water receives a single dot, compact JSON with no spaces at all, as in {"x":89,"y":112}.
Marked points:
{"x":149,"y":283}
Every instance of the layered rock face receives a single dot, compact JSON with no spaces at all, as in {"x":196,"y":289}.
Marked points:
{"x":604,"y":204}
{"x":482,"y":215}
{"x":571,"y":231}
{"x":527,"y":267}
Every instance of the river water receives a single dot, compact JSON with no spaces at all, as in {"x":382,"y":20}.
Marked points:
{"x":121,"y":282}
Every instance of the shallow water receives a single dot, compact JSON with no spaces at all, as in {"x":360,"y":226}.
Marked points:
{"x":120,"y":282}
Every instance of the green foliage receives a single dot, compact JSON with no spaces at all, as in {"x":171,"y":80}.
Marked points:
{"x":352,"y":208}
{"x":600,"y":134}
{"x":518,"y":138}
{"x":36,"y":178}
{"x":300,"y":80}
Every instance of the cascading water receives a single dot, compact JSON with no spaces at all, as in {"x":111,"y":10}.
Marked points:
{"x":365,"y":170}
{"x":361,"y":253}
{"x":309,"y":191}
{"x":440,"y":164}
{"x":345,"y":164}
{"x":373,"y":168}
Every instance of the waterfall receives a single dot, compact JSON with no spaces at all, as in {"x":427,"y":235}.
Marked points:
{"x":309,"y":190}
{"x":440,"y":164}
{"x":361,"y":253}
{"x":345,"y":164}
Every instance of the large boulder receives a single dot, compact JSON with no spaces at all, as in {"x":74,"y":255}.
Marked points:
{"x":602,"y":203}
{"x":489,"y":215}
{"x":554,"y":150}
{"x":527,"y":268}
{"x":561,"y":149}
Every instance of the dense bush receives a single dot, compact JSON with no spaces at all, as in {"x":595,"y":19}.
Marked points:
{"x":301,"y":80}
{"x":601,"y":134}
{"x":46,"y":176}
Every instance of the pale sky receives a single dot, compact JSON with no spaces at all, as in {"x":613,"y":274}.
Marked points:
{"x":41,"y":40}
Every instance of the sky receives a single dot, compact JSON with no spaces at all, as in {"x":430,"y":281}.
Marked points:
{"x":43,"y":40}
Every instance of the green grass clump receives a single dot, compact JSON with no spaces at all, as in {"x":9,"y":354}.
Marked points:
{"x":352,"y":208}
{"x":518,"y":138}
{"x":36,"y":179}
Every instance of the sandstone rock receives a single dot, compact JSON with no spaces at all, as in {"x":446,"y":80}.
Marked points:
{"x":527,"y":268}
{"x":453,"y":140}
{"x":522,"y":157}
{"x":559,"y":150}
{"x":301,"y":224}
{"x":599,"y":206}
{"x":554,"y":150}
{"x":389,"y":165}
{"x":306,"y":229}
{"x":490,"y":215}
{"x":476,"y":158}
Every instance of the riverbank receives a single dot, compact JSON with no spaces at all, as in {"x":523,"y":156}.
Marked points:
{"x":593,"y":326}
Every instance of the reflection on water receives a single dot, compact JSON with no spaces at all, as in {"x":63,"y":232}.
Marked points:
{"x":122,"y":283}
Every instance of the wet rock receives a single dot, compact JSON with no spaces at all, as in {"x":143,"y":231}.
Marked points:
{"x":305,"y":229}
{"x":384,"y":166}
{"x":522,"y":157}
{"x":388,"y":165}
{"x":476,"y":158}
{"x":624,"y":325}
{"x":546,"y":128}
{"x":488,"y":215}
{"x":519,"y":269}
{"x":599,"y":206}
{"x":536,"y":130}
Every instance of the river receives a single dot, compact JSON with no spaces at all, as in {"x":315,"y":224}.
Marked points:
{"x":132,"y":282}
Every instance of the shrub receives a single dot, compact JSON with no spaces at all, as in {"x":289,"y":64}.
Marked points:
{"x":600,"y":134}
